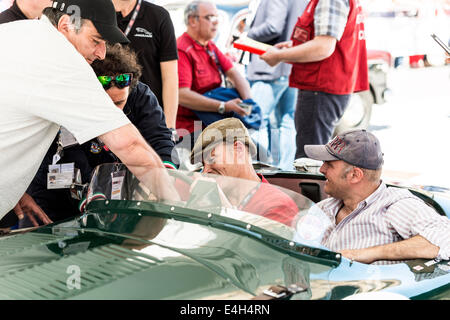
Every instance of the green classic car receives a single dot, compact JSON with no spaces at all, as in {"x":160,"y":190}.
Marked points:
{"x":183,"y":235}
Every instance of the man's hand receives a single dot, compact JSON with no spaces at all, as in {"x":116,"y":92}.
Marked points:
{"x":27,"y":206}
{"x":233,"y":105}
{"x":271,"y":56}
{"x":283,"y":45}
{"x":360,"y":255}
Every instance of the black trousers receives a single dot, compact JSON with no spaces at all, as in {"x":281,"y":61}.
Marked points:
{"x":316,"y":115}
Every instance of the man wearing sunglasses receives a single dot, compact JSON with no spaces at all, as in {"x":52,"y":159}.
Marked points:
{"x":201,"y":66}
{"x":47,"y":82}
{"x":119,"y":73}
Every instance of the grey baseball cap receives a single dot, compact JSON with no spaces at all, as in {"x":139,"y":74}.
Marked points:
{"x":357,"y":147}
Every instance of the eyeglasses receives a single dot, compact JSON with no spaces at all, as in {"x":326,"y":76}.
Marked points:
{"x":210,"y":17}
{"x":121,"y":81}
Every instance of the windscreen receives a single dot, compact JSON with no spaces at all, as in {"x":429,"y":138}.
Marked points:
{"x":256,"y":202}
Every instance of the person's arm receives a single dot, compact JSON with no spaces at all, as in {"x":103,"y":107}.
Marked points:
{"x":330,"y":20}
{"x":240,"y":83}
{"x":128,"y":144}
{"x":195,"y":101}
{"x":416,"y":247}
{"x":168,"y":57}
{"x":169,"y":77}
{"x":425,"y":231}
{"x":319,"y":48}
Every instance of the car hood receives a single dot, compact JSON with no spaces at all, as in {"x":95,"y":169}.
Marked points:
{"x":146,"y":257}
{"x":188,"y":247}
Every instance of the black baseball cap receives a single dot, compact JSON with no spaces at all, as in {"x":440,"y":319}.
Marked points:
{"x":356,"y":147}
{"x":100,"y":12}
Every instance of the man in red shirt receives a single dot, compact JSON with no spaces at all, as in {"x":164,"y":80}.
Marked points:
{"x":328,"y":52}
{"x":225,"y":148}
{"x":201,"y":66}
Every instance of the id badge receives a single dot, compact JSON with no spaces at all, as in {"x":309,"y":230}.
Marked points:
{"x":117,"y":179}
{"x":59,"y":180}
{"x":60,"y":176}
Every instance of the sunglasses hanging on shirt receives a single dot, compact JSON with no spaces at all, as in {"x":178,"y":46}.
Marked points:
{"x":120,"y":81}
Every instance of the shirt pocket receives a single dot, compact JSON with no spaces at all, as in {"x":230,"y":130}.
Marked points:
{"x":201,"y":77}
{"x":204,"y":74}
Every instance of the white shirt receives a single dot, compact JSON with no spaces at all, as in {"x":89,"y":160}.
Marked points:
{"x":388,"y":215}
{"x":44,"y":83}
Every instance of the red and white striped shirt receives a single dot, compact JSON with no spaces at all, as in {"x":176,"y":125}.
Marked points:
{"x":386,"y":216}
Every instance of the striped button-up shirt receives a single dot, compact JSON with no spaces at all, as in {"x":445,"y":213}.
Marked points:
{"x":386,"y":216}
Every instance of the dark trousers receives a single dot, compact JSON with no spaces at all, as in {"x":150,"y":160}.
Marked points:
{"x":316,"y":115}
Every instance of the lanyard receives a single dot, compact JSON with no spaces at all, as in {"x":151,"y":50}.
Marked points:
{"x":213,"y":56}
{"x":133,"y":17}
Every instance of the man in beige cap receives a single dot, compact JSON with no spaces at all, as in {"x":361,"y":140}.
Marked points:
{"x":225,"y":148}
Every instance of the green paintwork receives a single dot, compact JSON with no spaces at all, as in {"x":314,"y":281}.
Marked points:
{"x":119,"y":261}
{"x":149,"y":250}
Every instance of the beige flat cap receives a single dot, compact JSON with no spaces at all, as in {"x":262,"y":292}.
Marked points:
{"x":226,"y":130}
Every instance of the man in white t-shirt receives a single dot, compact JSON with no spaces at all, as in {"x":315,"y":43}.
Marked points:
{"x":46,"y":82}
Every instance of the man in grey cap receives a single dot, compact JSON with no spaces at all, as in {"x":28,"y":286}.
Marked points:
{"x":46,"y":83}
{"x":370,"y":222}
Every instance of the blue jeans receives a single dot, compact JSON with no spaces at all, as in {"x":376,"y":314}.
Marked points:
{"x":278,"y":100}
{"x":316,"y":116}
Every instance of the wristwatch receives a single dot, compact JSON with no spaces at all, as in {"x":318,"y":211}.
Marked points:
{"x":221,"y":108}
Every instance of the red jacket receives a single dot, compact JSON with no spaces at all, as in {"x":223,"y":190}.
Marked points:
{"x":345,"y":71}
{"x":197,"y":70}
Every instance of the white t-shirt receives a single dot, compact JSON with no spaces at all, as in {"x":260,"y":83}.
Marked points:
{"x":44,"y":83}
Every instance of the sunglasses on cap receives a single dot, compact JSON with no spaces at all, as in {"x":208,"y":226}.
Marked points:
{"x":121,"y":81}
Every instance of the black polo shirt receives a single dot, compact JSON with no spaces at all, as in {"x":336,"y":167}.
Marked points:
{"x":12,"y":14}
{"x":153,"y":38}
